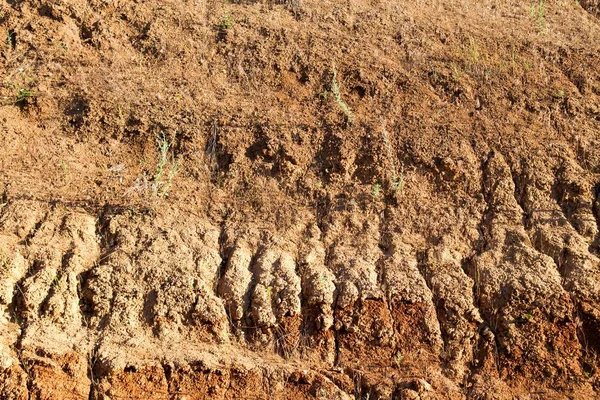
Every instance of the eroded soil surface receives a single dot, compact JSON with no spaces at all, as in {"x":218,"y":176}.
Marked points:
{"x":354,"y":199}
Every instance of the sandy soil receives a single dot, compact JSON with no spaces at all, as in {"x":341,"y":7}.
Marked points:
{"x":299,"y":199}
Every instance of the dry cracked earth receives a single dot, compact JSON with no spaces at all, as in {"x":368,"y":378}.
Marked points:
{"x":360,"y":200}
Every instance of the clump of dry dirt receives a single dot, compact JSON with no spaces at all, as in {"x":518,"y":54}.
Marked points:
{"x":299,"y":199}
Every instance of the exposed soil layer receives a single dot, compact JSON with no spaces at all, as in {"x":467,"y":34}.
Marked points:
{"x":299,"y":199}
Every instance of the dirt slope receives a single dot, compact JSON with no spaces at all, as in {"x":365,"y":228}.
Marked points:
{"x":299,"y":199}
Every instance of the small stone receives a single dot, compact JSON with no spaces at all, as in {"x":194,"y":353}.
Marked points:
{"x":423,"y":385}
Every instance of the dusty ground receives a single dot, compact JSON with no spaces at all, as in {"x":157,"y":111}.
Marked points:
{"x":354,"y":199}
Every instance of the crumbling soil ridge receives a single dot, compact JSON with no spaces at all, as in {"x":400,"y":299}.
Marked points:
{"x":426,"y":227}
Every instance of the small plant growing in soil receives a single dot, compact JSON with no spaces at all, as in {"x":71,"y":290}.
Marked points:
{"x":160,"y":186}
{"x":398,"y":358}
{"x":22,"y":95}
{"x":226,"y":21}
{"x":537,"y":11}
{"x":64,"y":169}
{"x":526,"y":317}
{"x":11,"y":39}
{"x":376,"y":191}
{"x":456,"y":72}
{"x":473,"y":53}
{"x":335,"y":90}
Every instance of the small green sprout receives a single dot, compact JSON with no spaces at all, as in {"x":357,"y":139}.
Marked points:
{"x":226,"y":21}
{"x":22,"y":95}
{"x":159,"y":187}
{"x":537,"y":11}
{"x":335,"y":90}
{"x":398,"y":358}
{"x":376,"y":191}
{"x":63,"y":165}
